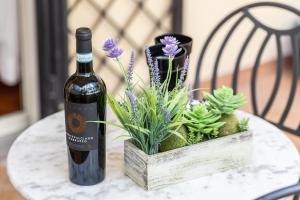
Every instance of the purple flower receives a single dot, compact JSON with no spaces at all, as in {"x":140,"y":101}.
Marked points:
{"x":132,"y":102}
{"x":169,"y":40}
{"x":150,"y":63}
{"x":114,"y":53}
{"x":109,"y":44}
{"x":130,"y":69}
{"x":156,"y":74}
{"x":171,"y":50}
{"x":184,"y":70}
{"x":166,"y":114}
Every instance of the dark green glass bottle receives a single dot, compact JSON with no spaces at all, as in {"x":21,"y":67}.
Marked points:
{"x":85,"y":100}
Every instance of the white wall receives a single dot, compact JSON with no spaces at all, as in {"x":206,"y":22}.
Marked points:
{"x":201,"y":16}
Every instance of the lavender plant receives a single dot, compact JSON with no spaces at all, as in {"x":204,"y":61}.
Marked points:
{"x":154,"y":114}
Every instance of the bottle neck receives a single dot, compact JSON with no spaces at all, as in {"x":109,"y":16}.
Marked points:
{"x":84,"y":57}
{"x":84,"y":68}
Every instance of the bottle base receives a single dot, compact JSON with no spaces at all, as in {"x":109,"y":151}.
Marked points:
{"x":87,"y":183}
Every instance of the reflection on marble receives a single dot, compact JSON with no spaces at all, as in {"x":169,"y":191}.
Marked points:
{"x":37,"y":167}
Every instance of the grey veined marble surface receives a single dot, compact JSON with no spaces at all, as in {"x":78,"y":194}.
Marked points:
{"x":37,"y":167}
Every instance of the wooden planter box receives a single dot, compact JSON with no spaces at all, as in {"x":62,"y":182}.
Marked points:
{"x":160,"y":170}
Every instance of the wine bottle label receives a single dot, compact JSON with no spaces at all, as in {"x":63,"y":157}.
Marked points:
{"x":84,"y":57}
{"x":81,"y":135}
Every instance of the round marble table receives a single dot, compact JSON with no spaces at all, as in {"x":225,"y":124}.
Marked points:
{"x":37,"y":167}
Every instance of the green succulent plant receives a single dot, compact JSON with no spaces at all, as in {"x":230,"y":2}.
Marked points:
{"x":243,"y":125}
{"x":194,"y":138}
{"x":202,"y":122}
{"x":224,"y":100}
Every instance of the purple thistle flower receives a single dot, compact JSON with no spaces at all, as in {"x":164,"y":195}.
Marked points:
{"x":109,"y":44}
{"x":184,"y":70}
{"x":114,"y":53}
{"x":169,"y":40}
{"x":132,"y":102}
{"x":130,"y":69}
{"x":150,"y":63}
{"x":171,"y":50}
{"x":166,"y":114}
{"x":156,"y":74}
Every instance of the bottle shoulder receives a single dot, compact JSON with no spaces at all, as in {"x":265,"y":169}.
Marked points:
{"x":84,"y":85}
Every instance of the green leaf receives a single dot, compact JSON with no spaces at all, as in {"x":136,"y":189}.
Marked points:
{"x":178,"y":135}
{"x":122,"y":136}
{"x":142,"y":130}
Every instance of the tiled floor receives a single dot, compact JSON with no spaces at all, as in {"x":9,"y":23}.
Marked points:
{"x":7,"y":192}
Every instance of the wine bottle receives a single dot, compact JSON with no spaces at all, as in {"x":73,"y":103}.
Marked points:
{"x":85,"y":101}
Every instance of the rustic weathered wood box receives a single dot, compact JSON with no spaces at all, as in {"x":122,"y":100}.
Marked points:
{"x":160,"y":170}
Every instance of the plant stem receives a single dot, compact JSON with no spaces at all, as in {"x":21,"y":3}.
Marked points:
{"x":123,"y":71}
{"x":167,"y":81}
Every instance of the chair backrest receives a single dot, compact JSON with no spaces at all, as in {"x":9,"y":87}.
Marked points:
{"x":292,"y":33}
{"x":283,"y":192}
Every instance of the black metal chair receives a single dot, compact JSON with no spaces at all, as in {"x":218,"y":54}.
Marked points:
{"x":281,"y":193}
{"x":244,"y":13}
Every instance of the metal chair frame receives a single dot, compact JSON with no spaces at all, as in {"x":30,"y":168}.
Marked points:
{"x":283,"y":192}
{"x":291,"y":33}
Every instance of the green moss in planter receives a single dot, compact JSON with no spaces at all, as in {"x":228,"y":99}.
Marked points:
{"x":174,"y":142}
{"x":231,"y":125}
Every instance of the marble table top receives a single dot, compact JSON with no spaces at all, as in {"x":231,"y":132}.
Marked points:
{"x":37,"y":167}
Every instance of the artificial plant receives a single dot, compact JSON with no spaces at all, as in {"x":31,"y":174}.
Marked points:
{"x":225,"y":102}
{"x":154,"y":114}
{"x":202,"y":122}
{"x":214,"y":117}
